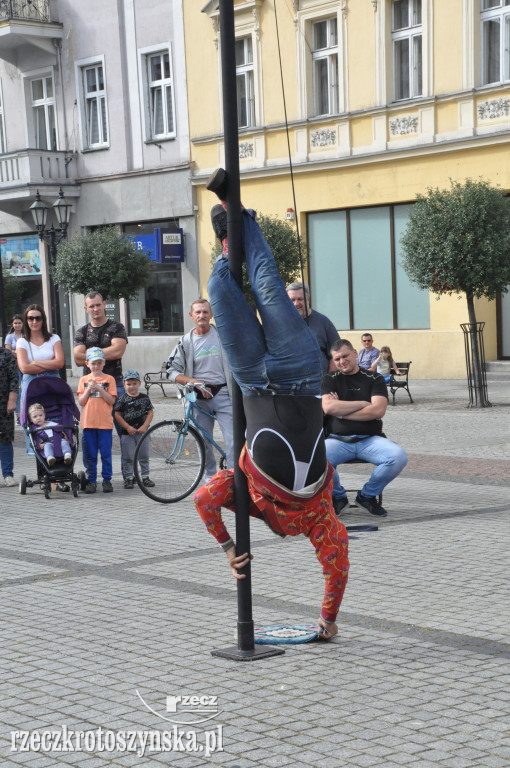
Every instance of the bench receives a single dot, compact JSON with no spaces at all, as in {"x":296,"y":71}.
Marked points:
{"x":158,"y":378}
{"x":400,"y":382}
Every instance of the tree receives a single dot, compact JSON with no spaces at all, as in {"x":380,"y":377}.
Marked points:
{"x":458,"y":241}
{"x":103,"y":261}
{"x":282,"y":240}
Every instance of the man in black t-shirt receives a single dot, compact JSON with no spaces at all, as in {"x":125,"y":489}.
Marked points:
{"x":108,"y":335}
{"x":354,"y":401}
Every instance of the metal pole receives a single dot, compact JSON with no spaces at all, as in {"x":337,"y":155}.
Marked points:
{"x":246,"y":649}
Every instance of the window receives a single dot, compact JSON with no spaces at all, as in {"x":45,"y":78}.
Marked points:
{"x":495,"y":41}
{"x":43,"y":109}
{"x":244,"y":83}
{"x":160,"y":95}
{"x":358,"y":251}
{"x":94,"y":93}
{"x":325,"y":66}
{"x":157,"y":308}
{"x":407,"y":48}
{"x":3,"y":147}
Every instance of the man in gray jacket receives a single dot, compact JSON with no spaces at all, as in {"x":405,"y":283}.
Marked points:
{"x":198,"y":357}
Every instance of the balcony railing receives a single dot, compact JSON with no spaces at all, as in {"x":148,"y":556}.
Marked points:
{"x":35,"y":166}
{"x":27,"y":10}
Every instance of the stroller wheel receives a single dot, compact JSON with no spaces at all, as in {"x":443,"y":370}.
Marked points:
{"x":83,"y":480}
{"x":47,"y":493}
{"x":74,"y":489}
{"x":23,"y":485}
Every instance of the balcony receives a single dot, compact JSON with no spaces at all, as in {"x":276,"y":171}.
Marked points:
{"x":29,"y":10}
{"x":27,"y":33}
{"x":25,"y":171}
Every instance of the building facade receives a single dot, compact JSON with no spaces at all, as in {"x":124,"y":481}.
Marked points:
{"x":93,"y":100}
{"x":384,"y":99}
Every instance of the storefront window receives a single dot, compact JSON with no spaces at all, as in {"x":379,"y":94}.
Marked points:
{"x":158,"y":307}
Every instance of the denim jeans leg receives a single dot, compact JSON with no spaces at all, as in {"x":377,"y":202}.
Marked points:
{"x":7,"y":459}
{"x":240,"y":332}
{"x":338,"y":453}
{"x":293,"y":354}
{"x":389,"y":458}
{"x":207,"y":422}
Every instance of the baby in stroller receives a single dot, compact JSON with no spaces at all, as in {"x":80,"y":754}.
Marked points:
{"x":51,"y":416}
{"x":45,"y":437}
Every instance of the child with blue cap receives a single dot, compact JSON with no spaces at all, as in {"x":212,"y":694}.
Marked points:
{"x":133,"y":413}
{"x":97,"y":393}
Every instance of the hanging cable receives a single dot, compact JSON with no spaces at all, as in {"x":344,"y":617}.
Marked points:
{"x":301,"y":266}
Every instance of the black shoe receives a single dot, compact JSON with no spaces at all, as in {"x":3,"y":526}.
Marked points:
{"x":217,"y":183}
{"x":148,"y":483}
{"x":371,"y":504}
{"x":219,"y":221}
{"x":62,"y":487}
{"x":90,"y":487}
{"x":339,"y":503}
{"x":107,"y":487}
{"x":129,"y":483}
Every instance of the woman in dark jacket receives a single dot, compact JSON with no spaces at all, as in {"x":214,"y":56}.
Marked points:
{"x":8,"y":395}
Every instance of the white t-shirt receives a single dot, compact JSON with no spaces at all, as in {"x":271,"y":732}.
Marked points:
{"x":44,"y":352}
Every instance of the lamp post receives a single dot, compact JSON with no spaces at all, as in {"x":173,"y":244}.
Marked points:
{"x":52,"y":238}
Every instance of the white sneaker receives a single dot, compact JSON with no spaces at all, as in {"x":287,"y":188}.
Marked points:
{"x":68,"y":459}
{"x":9,"y":481}
{"x":51,"y":461}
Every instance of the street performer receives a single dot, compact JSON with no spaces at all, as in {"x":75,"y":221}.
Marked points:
{"x":277,"y":364}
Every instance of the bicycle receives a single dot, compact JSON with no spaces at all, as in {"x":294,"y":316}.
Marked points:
{"x":177,"y":451}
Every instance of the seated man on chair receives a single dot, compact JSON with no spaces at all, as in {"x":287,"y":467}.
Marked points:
{"x":354,"y":401}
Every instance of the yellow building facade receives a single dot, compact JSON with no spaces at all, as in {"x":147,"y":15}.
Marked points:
{"x":384,"y":99}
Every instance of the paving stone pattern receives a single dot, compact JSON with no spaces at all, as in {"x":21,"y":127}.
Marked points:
{"x":106,"y":599}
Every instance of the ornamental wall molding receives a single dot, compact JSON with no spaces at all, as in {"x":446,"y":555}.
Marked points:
{"x":245,"y":149}
{"x":493,"y":108}
{"x":324,"y":137}
{"x":401,"y":126}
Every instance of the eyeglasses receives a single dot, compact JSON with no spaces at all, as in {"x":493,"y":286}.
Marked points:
{"x":34,"y":318}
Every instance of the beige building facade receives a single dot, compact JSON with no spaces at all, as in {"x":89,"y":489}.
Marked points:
{"x":384,"y":99}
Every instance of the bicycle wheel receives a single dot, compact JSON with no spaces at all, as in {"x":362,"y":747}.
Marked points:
{"x":177,"y":461}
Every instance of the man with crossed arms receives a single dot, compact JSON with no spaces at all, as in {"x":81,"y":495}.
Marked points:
{"x":354,"y":401}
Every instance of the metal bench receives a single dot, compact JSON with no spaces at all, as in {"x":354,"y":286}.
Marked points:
{"x":158,"y":378}
{"x":400,"y":382}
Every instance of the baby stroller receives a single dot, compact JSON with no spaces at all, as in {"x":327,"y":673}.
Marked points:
{"x":57,"y":399}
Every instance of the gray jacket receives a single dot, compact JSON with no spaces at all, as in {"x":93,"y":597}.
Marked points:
{"x":181,"y":360}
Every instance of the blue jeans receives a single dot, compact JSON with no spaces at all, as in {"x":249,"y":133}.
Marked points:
{"x":7,"y":459}
{"x":280,"y":355}
{"x":389,"y":458}
{"x":98,"y":441}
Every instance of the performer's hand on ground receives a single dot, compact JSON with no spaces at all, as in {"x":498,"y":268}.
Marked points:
{"x":327,"y":629}
{"x":237,"y":562}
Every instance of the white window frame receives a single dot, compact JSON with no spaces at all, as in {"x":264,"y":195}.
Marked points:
{"x":413,"y":33}
{"x":3,"y":141}
{"x":501,"y":15}
{"x":46,"y":104}
{"x":245,"y":74}
{"x":147,"y":86}
{"x":327,"y":55}
{"x":310,"y":12}
{"x":81,"y":68}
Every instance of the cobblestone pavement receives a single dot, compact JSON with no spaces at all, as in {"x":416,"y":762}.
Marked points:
{"x":111,"y":604}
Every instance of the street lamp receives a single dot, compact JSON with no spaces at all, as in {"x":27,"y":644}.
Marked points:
{"x":52,"y":238}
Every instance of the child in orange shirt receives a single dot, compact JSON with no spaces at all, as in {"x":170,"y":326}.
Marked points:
{"x":97,"y":393}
